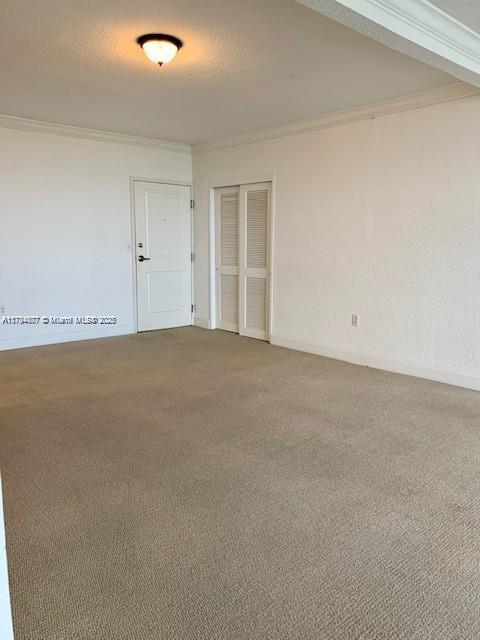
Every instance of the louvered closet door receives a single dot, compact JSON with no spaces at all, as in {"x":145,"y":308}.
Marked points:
{"x":255,"y":207}
{"x":227,"y":257}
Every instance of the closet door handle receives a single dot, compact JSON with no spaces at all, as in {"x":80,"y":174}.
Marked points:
{"x":142,"y":258}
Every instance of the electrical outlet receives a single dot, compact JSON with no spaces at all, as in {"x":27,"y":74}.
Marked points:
{"x":355,"y":320}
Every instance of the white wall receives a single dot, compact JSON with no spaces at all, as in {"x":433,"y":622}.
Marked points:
{"x":65,"y":229}
{"x":379,"y":218}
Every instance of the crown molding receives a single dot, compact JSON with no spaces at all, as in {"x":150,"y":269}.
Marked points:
{"x":418,"y":21}
{"x":449,"y":93}
{"x":25,"y":124}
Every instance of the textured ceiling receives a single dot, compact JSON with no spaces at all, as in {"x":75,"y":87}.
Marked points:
{"x":245,"y":65}
{"x":467,"y":11}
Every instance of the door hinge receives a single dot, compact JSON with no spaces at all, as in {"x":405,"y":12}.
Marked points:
{"x":192,"y":204}
{"x":192,"y":257}
{"x":193,"y":308}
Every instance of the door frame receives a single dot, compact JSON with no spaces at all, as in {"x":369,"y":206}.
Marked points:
{"x":238,"y":181}
{"x":133,"y":242}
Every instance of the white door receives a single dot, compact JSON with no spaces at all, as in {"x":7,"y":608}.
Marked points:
{"x":242,"y":259}
{"x":227,"y":257}
{"x":255,"y":207}
{"x":163,"y":244}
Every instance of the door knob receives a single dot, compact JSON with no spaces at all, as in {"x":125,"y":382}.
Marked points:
{"x":142,"y":258}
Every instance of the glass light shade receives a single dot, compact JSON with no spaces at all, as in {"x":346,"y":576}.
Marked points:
{"x":160,"y":51}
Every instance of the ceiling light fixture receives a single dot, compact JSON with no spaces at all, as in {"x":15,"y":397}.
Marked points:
{"x":159,"y":47}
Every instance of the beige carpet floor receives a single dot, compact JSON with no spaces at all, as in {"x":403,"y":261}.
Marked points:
{"x":196,"y":485}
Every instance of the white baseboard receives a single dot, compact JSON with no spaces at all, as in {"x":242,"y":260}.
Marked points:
{"x":6,"y":629}
{"x":89,"y":333}
{"x":394,"y":366}
{"x":202,"y":323}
